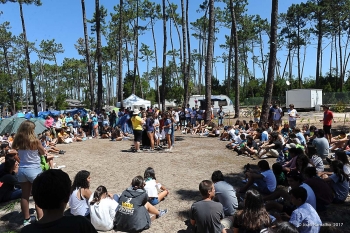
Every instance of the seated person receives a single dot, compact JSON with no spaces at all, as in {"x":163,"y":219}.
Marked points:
{"x":239,"y":143}
{"x":253,"y":218}
{"x":51,"y":191}
{"x":323,"y":192}
{"x":63,"y":137}
{"x":215,"y":132}
{"x":133,"y":213}
{"x":339,"y":141}
{"x":295,"y":179}
{"x":48,"y":148}
{"x":300,"y":136}
{"x":250,"y":147}
{"x":312,"y":134}
{"x":106,"y":131}
{"x":80,"y":194}
{"x":4,"y":148}
{"x":304,"y":217}
{"x":152,"y":186}
{"x":264,"y":178}
{"x":314,"y":159}
{"x":117,"y":135}
{"x":81,"y":134}
{"x":293,"y":153}
{"x":279,"y":174}
{"x":103,"y":207}
{"x":286,"y":130}
{"x":339,"y":181}
{"x":274,"y":147}
{"x":207,"y":214}
{"x":224,"y":193}
{"x":9,"y":181}
{"x":51,"y":142}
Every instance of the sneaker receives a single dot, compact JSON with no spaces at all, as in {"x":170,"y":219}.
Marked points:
{"x":60,"y":167}
{"x":162,"y":213}
{"x":171,"y":148}
{"x":31,"y":219}
{"x":139,"y":151}
{"x":56,"y":156}
{"x":61,"y":152}
{"x":264,"y":157}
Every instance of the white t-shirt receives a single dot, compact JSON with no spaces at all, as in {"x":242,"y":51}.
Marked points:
{"x":231,"y":132}
{"x":176,"y":116}
{"x":237,"y":139}
{"x":102,"y":214}
{"x":188,"y":112}
{"x":270,"y":180}
{"x":311,"y":198}
{"x":292,"y":114}
{"x":151,"y":188}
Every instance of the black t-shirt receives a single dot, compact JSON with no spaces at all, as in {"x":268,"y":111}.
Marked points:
{"x":278,"y":146}
{"x":252,"y":144}
{"x":66,"y":224}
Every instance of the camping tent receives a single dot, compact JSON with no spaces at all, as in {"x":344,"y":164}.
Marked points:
{"x":135,"y":102}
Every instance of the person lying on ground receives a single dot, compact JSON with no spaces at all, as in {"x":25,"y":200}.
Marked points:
{"x":51,"y":190}
{"x":133,"y":215}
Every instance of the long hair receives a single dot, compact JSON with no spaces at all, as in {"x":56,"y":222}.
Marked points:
{"x":342,"y":156}
{"x":98,"y":194}
{"x":80,"y":180}
{"x":137,"y":183}
{"x":25,"y":138}
{"x":337,"y":167}
{"x":254,"y":215}
{"x":149,"y":173}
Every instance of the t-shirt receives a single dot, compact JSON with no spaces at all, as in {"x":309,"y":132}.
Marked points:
{"x":292,"y":114}
{"x":257,"y":113}
{"x":306,"y":219}
{"x":270,"y":180}
{"x":278,"y":146}
{"x":136,"y":123}
{"x":221,"y":114}
{"x":66,"y":224}
{"x":322,"y":146}
{"x":318,"y":162}
{"x":340,"y":188}
{"x":264,"y":136}
{"x":188,"y":112}
{"x":102,"y":214}
{"x":301,"y":137}
{"x":69,"y":121}
{"x":226,"y":195}
{"x":311,"y":198}
{"x":277,"y":114}
{"x":207,"y":215}
{"x":327,"y":118}
{"x":252,"y":144}
{"x":7,"y":185}
{"x":322,"y":190}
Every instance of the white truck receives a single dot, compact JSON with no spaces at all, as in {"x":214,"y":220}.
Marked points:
{"x":304,"y":98}
{"x":216,"y":100}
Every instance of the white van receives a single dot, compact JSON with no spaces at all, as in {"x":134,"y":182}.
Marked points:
{"x":216,"y":100}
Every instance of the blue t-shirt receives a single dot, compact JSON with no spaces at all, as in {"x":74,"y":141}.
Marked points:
{"x":264,"y":136}
{"x":166,"y":123}
{"x":69,"y":121}
{"x":301,"y":137}
{"x":149,"y":125}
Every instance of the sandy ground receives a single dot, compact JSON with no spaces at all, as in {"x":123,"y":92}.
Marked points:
{"x":192,"y":160}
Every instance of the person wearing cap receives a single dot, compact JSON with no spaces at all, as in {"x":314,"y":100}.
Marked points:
{"x":293,"y":115}
{"x":137,"y":123}
{"x":327,"y":122}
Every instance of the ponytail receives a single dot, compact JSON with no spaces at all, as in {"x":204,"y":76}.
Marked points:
{"x":98,"y":194}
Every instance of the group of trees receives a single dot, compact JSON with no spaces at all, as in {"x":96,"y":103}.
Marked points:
{"x":107,"y":73}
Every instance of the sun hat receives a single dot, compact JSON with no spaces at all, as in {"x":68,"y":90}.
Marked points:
{"x":136,"y":112}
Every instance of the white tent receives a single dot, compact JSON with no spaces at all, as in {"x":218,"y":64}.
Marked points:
{"x":133,"y":101}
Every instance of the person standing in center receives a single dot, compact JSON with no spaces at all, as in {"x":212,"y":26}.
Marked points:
{"x":137,"y":123}
{"x":293,"y":115}
{"x":327,"y":122}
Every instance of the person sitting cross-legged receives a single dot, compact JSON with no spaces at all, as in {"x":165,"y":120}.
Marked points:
{"x":206,"y":214}
{"x":51,"y":190}
{"x":264,"y":178}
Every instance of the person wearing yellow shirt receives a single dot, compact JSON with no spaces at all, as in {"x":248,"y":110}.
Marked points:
{"x":137,"y":123}
{"x":257,"y":113}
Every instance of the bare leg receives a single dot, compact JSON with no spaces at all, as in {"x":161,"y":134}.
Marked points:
{"x":162,"y":195}
{"x":151,"y":209}
{"x":151,"y":138}
{"x":26,"y":189}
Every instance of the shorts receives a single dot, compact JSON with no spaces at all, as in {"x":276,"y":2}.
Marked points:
{"x":137,"y":135}
{"x":153,"y":200}
{"x":292,"y":124}
{"x":158,"y":135}
{"x":274,"y":153}
{"x":262,"y":186}
{"x":327,"y":129}
{"x":28,"y":174}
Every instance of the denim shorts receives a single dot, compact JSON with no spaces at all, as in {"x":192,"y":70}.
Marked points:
{"x":28,"y":174}
{"x":153,"y":200}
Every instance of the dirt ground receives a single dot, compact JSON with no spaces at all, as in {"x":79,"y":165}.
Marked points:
{"x":192,"y":160}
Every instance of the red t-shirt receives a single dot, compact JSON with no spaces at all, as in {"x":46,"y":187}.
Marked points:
{"x":327,"y":118}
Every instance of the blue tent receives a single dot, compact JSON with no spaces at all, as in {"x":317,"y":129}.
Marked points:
{"x":82,"y":111}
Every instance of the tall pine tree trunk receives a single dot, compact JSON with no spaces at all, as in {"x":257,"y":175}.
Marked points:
{"x":31,"y":78}
{"x":209,"y":60}
{"x":120,"y":65}
{"x":272,"y":62}
{"x":156,"y":56}
{"x":237,"y":86}
{"x":189,"y":53}
{"x":99,"y":56}
{"x":184,"y":52}
{"x":164,"y":57}
{"x":87,"y":56}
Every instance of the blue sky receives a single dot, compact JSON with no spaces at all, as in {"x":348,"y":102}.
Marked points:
{"x":62,"y":20}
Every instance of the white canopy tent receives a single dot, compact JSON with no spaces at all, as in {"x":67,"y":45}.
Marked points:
{"x":135,"y":102}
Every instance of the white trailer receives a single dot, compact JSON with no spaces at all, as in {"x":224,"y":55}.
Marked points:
{"x":304,"y":98}
{"x":217,"y":101}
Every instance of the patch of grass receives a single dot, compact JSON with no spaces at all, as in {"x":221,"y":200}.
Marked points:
{"x":10,"y":206}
